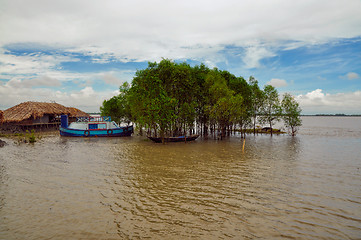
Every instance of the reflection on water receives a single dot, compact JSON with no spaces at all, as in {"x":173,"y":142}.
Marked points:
{"x":119,"y":188}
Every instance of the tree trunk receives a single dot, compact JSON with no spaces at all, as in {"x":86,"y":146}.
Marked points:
{"x":254,"y":125}
{"x":205,"y":130}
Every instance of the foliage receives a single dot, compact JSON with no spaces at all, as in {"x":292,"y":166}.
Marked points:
{"x":118,"y":107}
{"x":28,"y":137}
{"x":170,"y":99}
{"x":271,"y":109}
{"x":31,"y":136}
{"x":291,"y":113}
{"x":256,"y":101}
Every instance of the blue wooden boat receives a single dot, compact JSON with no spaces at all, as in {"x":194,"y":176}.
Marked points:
{"x":93,"y":127}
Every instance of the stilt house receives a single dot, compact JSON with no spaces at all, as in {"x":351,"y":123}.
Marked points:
{"x":39,"y":115}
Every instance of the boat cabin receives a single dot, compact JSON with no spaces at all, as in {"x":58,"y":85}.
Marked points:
{"x":93,"y":123}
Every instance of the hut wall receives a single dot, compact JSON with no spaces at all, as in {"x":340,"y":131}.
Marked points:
{"x":43,"y":119}
{"x":24,"y":122}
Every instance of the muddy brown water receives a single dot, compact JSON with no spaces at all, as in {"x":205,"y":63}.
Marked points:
{"x":307,"y":187}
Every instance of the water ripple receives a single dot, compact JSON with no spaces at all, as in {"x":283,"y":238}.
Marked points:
{"x":129,"y":188}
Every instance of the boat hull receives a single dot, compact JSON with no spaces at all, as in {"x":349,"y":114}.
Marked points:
{"x":174,"y":139}
{"x":116,"y":132}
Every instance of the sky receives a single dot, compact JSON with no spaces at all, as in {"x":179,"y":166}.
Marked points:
{"x":78,"y":53}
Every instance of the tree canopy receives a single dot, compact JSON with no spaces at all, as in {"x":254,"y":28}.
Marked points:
{"x":171,"y":99}
{"x":291,"y":113}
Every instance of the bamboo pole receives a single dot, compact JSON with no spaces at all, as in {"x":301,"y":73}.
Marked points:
{"x":244,"y":143}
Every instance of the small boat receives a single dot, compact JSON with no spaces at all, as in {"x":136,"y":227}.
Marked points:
{"x":174,"y":139}
{"x":93,"y":127}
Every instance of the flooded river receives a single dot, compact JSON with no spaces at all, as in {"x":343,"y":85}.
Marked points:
{"x":307,"y":187}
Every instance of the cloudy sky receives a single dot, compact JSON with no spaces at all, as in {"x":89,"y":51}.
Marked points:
{"x":77,"y":53}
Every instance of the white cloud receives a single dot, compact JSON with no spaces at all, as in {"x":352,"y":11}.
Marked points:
{"x":275,"y":82}
{"x":352,"y":75}
{"x":85,"y":92}
{"x":43,"y":81}
{"x":86,"y":99}
{"x":31,"y":64}
{"x":136,"y":30}
{"x":254,"y":55}
{"x":148,"y":30}
{"x":319,"y":102}
{"x":110,"y":79}
{"x":315,"y":95}
{"x":116,"y":78}
{"x":37,"y":77}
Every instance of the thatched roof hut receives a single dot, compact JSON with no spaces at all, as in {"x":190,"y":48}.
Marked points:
{"x":36,"y":110}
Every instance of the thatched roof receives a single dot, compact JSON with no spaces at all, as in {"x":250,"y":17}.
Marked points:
{"x":74,"y":112}
{"x":33,"y":110}
{"x":1,"y":116}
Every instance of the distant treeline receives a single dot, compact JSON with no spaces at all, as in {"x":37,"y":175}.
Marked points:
{"x":331,"y":115}
{"x":170,"y":99}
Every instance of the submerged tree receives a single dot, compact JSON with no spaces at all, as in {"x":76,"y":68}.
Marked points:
{"x":291,"y":113}
{"x":171,"y":99}
{"x":256,"y":101}
{"x":162,"y":98}
{"x":271,"y":108}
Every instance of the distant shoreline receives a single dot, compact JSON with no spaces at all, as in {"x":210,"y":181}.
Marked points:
{"x":331,"y":115}
{"x":303,"y":115}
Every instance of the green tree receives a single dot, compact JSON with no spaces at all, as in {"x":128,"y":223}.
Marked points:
{"x":243,"y":89}
{"x":239,"y":112}
{"x":112,"y":108}
{"x":125,"y":115}
{"x":256,"y":101}
{"x":161,"y":98}
{"x":291,"y":112}
{"x":168,"y":98}
{"x":219,"y":100}
{"x":221,"y":113}
{"x":199,"y":74}
{"x":118,"y":107}
{"x":147,"y":97}
{"x":271,"y":109}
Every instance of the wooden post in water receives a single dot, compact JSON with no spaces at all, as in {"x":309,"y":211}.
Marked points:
{"x":244,"y":143}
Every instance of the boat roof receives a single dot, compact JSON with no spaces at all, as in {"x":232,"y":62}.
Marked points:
{"x":94,"y":119}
